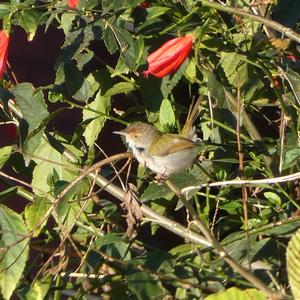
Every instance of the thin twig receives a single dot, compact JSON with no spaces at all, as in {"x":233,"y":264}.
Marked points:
{"x":274,"y":180}
{"x":241,"y":171}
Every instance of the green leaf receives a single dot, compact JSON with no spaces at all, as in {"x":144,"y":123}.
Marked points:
{"x":154,"y":191}
{"x":190,"y":72}
{"x":169,"y":82}
{"x":237,"y":294}
{"x":290,"y":158}
{"x":166,"y":115}
{"x":66,"y":21}
{"x":34,"y":111}
{"x":293,"y":264}
{"x":155,"y":11}
{"x":34,"y":214}
{"x":273,"y":198}
{"x":48,"y":160}
{"x":144,"y":286}
{"x":216,"y":89}
{"x":294,"y":80}
{"x":119,"y":88}
{"x":30,"y":20}
{"x":110,"y":40}
{"x":4,"y":155}
{"x":12,"y":191}
{"x":5,"y":9}
{"x":39,"y":289}
{"x":235,"y":68}
{"x":101,"y":107}
{"x":77,"y":85}
{"x":117,"y":38}
{"x":121,"y":67}
{"x":14,"y":250}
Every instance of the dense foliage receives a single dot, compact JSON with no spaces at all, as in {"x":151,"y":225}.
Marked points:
{"x":91,"y":223}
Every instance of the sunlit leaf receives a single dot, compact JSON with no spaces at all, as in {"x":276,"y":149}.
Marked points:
{"x":14,"y":250}
{"x":96,"y":113}
{"x":4,"y":154}
{"x":166,"y":114}
{"x":237,"y":294}
{"x":293,"y":259}
{"x":35,"y":214}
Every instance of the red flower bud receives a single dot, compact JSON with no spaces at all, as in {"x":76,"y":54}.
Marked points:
{"x":4,"y":41}
{"x":169,"y":57}
{"x":73,"y":3}
{"x":145,"y":4}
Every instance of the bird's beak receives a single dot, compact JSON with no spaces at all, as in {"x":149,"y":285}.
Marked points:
{"x":121,"y":132}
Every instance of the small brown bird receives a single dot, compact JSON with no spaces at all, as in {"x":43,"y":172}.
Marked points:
{"x":164,"y":154}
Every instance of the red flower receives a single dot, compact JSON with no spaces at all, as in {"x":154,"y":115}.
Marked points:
{"x":4,"y":41}
{"x":73,"y":3}
{"x":169,"y":57}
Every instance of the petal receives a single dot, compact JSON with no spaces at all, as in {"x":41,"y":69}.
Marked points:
{"x":169,"y":56}
{"x":162,"y":49}
{"x":73,"y":3}
{"x":4,"y":42}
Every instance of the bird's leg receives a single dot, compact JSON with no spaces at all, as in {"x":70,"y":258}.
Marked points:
{"x":161,"y":178}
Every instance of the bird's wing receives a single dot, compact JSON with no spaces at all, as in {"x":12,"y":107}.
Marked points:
{"x":170,"y":143}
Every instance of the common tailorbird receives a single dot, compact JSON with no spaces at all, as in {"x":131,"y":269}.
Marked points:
{"x":164,"y":153}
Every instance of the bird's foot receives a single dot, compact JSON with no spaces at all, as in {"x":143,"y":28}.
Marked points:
{"x":160,"y":179}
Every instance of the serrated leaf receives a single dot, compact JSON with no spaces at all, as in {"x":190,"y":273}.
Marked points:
{"x":237,"y":294}
{"x":235,"y":68}
{"x":4,"y":155}
{"x":48,"y":160}
{"x":293,"y":264}
{"x":121,"y":67}
{"x":34,"y":111}
{"x":110,"y":40}
{"x":101,"y":107}
{"x":29,"y":20}
{"x":14,"y":252}
{"x":77,"y":85}
{"x":169,"y":82}
{"x":166,"y":115}
{"x":34,"y":214}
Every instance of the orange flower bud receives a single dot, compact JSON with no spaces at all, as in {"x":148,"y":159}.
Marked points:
{"x":4,"y":41}
{"x":169,"y":57}
{"x":73,"y":3}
